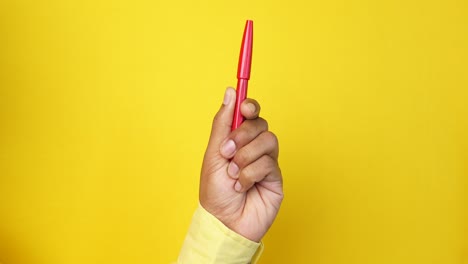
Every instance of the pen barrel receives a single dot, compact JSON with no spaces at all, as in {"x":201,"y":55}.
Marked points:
{"x":241,"y":93}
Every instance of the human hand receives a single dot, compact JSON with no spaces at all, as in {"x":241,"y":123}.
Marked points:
{"x":241,"y":183}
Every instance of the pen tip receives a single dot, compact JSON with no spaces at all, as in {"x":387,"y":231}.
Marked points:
{"x":245,"y":58}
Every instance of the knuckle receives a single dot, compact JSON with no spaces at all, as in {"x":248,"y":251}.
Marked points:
{"x":271,"y":137}
{"x":263,"y":124}
{"x":270,"y":162}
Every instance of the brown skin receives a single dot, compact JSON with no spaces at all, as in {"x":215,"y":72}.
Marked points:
{"x":241,"y":183}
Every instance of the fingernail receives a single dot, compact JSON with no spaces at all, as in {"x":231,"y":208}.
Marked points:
{"x":233,"y":169}
{"x":251,"y":107}
{"x":228,"y":148}
{"x":238,"y":186}
{"x":227,"y":97}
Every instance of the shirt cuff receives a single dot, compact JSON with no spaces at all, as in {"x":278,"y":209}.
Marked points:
{"x":209,"y":241}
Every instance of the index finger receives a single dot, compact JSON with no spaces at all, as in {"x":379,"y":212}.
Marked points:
{"x":250,"y":108}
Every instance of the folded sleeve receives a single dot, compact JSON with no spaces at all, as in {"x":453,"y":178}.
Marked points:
{"x":209,"y":241}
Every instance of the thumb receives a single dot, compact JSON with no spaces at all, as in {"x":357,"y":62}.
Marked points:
{"x":222,"y":121}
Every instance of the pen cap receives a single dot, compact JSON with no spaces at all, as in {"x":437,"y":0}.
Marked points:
{"x":245,"y":57}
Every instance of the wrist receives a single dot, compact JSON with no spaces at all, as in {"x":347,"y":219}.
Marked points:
{"x":211,"y":241}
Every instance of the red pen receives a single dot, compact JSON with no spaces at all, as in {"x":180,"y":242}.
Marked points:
{"x":243,"y":72}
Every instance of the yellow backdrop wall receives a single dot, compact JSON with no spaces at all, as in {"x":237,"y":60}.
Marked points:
{"x":105,"y":111}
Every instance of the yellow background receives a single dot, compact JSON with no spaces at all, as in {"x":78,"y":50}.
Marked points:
{"x":105,"y":111}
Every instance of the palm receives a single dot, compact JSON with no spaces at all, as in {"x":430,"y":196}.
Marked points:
{"x":250,"y":213}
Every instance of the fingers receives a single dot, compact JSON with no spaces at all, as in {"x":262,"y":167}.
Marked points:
{"x":240,"y":137}
{"x":265,"y":144}
{"x":264,"y":169}
{"x":222,"y":121}
{"x":250,"y":151}
{"x":255,"y":162}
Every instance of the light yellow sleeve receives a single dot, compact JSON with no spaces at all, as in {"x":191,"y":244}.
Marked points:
{"x":209,"y":241}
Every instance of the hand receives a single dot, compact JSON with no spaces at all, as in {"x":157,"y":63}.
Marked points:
{"x":241,"y":183}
